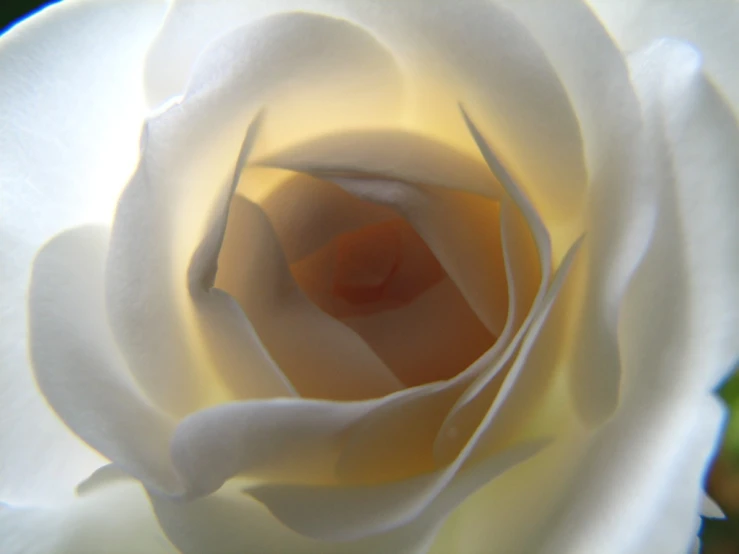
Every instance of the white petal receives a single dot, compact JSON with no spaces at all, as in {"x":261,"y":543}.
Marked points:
{"x":505,"y":515}
{"x":350,"y":513}
{"x":73,"y":106}
{"x":235,"y":348}
{"x":320,"y":356}
{"x":711,"y":509}
{"x":189,"y":154}
{"x":455,"y":225}
{"x":639,"y":488}
{"x":711,"y":27}
{"x":595,"y":78}
{"x":598,"y":84}
{"x":306,"y":213}
{"x":116,"y":520}
{"x":531,"y":360}
{"x":702,"y":138}
{"x":515,"y":90}
{"x":231,"y":522}
{"x":353,"y":512}
{"x":296,"y":440}
{"x":395,"y":154}
{"x":522,"y":233}
{"x":78,"y":366}
{"x":395,"y":441}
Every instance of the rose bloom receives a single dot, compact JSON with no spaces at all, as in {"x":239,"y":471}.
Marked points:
{"x":351,"y":276}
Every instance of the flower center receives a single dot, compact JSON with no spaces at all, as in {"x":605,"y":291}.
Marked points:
{"x":378,"y":267}
{"x":364,"y":265}
{"x":366,"y":261}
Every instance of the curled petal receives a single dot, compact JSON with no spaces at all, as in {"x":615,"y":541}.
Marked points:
{"x":480,"y":52}
{"x":70,"y":124}
{"x":78,"y":367}
{"x":170,"y":205}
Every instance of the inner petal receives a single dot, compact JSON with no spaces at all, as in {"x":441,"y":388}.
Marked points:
{"x":366,"y":260}
{"x":378,"y":267}
{"x":381,"y":279}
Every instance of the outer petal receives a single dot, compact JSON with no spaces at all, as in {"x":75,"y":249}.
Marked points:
{"x":72,"y":111}
{"x":597,"y":82}
{"x":621,"y":506}
{"x":477,"y":51}
{"x":116,"y":520}
{"x":232,"y":523}
{"x":300,"y":65}
{"x":710,"y":26}
{"x":638,"y":486}
{"x":78,"y":366}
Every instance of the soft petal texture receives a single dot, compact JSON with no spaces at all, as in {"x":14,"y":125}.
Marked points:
{"x":306,"y":213}
{"x":622,"y":200}
{"x":322,"y":357}
{"x":292,"y":440}
{"x":430,"y":347}
{"x":354,"y":512}
{"x":619,"y":506}
{"x":671,"y":353}
{"x":702,"y":138}
{"x":232,"y":522}
{"x":520,"y":96}
{"x":78,"y":366}
{"x":116,"y":520}
{"x":240,"y":356}
{"x":453,"y":223}
{"x":69,"y":142}
{"x":710,"y":26}
{"x":169,"y":204}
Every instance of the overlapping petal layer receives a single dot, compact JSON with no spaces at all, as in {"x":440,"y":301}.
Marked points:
{"x":168,"y":206}
{"x":482,"y":55}
{"x":70,"y":123}
{"x":364,"y":459}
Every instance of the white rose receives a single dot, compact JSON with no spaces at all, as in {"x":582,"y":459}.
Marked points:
{"x":375,"y":277}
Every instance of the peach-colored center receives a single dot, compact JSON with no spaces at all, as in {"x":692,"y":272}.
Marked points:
{"x":378,"y":267}
{"x":387,"y":262}
{"x":366,"y":260}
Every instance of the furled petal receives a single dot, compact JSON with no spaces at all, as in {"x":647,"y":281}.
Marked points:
{"x":396,"y":154}
{"x":456,"y":226}
{"x":596,"y":78}
{"x":69,"y":141}
{"x":711,"y":27}
{"x":306,"y":213}
{"x":78,"y":366}
{"x":116,"y":520}
{"x":411,"y":443}
{"x":597,"y":82}
{"x":522,"y":233}
{"x":479,"y":52}
{"x":435,"y":337}
{"x":235,"y":347}
{"x":231,"y":522}
{"x":702,"y":138}
{"x":295,"y":439}
{"x":395,"y":440}
{"x":321,"y":356}
{"x":639,"y":488}
{"x":349,"y":513}
{"x":189,"y":153}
